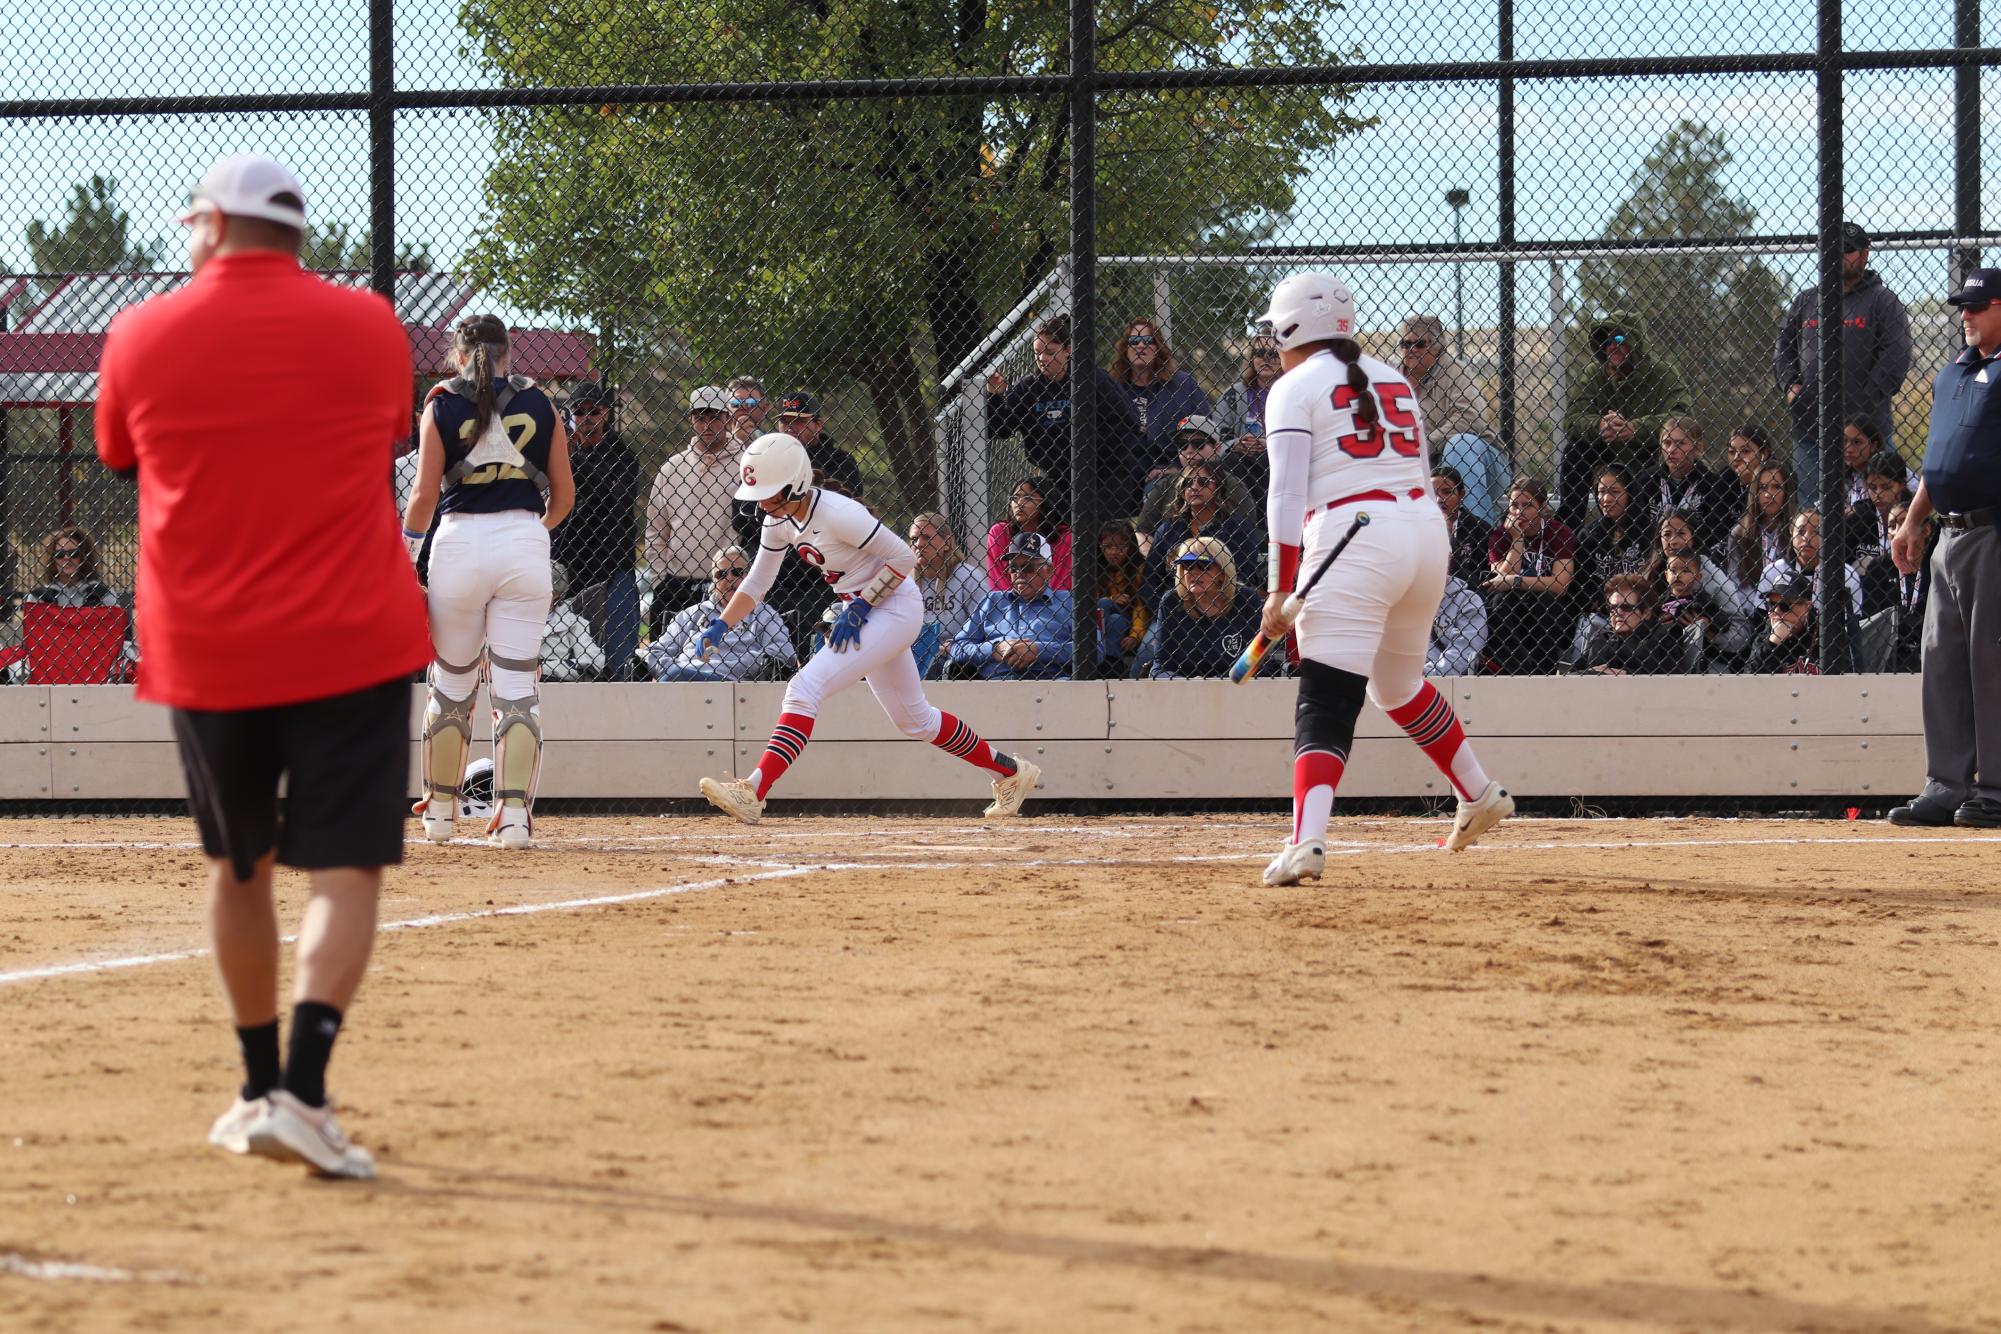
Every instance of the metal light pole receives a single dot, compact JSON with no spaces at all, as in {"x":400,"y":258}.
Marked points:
{"x":1458,"y":199}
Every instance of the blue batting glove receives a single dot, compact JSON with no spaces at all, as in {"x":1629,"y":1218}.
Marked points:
{"x":847,"y":631}
{"x":712,"y":637}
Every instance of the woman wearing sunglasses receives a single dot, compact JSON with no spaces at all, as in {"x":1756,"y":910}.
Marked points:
{"x":1240,"y":414}
{"x":1159,"y":390}
{"x":69,"y":575}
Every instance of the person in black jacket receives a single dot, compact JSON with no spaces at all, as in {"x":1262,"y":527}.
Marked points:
{"x":599,"y":543}
{"x":799,"y":417}
{"x":1620,"y":539}
{"x":1679,"y":480}
{"x":1469,"y":537}
{"x":1791,"y":638}
{"x":1635,"y":643}
{"x":1207,"y":619}
{"x":1038,"y":410}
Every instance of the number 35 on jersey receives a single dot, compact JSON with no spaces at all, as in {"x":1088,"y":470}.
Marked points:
{"x":1398,"y":427}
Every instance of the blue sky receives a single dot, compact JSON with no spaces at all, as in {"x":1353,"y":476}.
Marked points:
{"x":1578,"y":142}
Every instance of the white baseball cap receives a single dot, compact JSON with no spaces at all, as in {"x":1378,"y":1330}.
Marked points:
{"x":250,"y":185}
{"x":709,"y":398}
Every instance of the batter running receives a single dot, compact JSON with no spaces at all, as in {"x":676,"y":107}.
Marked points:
{"x":869,"y":566}
{"x":1345,"y":437}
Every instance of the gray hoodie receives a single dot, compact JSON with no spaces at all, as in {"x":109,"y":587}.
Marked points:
{"x":1876,"y":354}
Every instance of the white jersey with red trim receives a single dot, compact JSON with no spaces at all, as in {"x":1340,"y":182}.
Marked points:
{"x":1322,"y":452}
{"x":838,"y":537}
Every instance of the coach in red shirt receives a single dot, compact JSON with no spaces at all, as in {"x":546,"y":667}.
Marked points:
{"x":281,"y":622}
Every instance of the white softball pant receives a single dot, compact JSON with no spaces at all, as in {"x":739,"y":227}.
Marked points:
{"x":884,"y":658}
{"x":1372,"y":613}
{"x":489,"y":591}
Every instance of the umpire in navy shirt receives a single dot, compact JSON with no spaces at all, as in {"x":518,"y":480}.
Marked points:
{"x":1962,"y":638}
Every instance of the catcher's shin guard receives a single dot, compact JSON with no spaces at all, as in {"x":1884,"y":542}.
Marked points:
{"x":517,"y":754}
{"x":447,"y":738}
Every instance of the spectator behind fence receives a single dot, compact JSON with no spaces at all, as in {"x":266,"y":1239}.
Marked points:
{"x":1688,"y":601}
{"x":1615,"y":410}
{"x":1196,"y":440}
{"x":1026,"y":632}
{"x":1913,"y":590}
{"x":1455,"y":416}
{"x":1036,"y":506}
{"x":1531,"y":560}
{"x":1038,"y":410}
{"x":1122,"y":616}
{"x":1764,"y":532}
{"x":692,"y":509}
{"x":1633,"y":642}
{"x":1458,"y":632}
{"x":1239,"y":415}
{"x":599,"y":543}
{"x":569,"y":651}
{"x":799,"y":417}
{"x":1208,"y":619}
{"x":1620,"y":539}
{"x":1887,"y":478}
{"x":748,"y":402}
{"x":1679,"y":480}
{"x":1875,"y":351}
{"x":757,"y":647}
{"x":952,"y":587}
{"x":1861,"y":440}
{"x":1161,"y":393}
{"x":1201,"y":508}
{"x":69,"y":573}
{"x":1467,"y":535}
{"x":1674,"y":535}
{"x":1803,"y":558}
{"x":1790,"y":641}
{"x":1749,"y":449}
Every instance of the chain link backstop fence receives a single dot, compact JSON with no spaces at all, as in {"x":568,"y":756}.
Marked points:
{"x":998,"y":266}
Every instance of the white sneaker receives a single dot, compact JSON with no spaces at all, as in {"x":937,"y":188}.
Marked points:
{"x":1011,"y":791}
{"x":734,"y":797}
{"x":292,"y":1132}
{"x":1297,"y":862}
{"x":1477,"y":817}
{"x":513,"y":830}
{"x":231,"y":1131}
{"x":438,"y":813}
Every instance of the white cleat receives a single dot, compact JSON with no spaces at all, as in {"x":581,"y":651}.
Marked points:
{"x":1297,"y":862}
{"x":1011,"y":791}
{"x":437,"y":817}
{"x":1477,"y":817}
{"x":292,"y":1132}
{"x":512,"y":831}
{"x":231,"y":1131}
{"x":735,"y":798}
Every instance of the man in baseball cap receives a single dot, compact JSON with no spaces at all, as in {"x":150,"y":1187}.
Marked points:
{"x":709,"y":398}
{"x":250,"y":185}
{"x":799,"y":417}
{"x":1023,"y":631}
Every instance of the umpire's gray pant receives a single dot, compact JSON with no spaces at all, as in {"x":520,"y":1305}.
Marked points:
{"x":1962,"y":667}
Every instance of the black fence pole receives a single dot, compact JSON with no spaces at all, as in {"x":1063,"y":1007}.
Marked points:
{"x":1506,"y":19}
{"x":1965,"y":140}
{"x":382,"y":148}
{"x":1084,"y":442}
{"x":1835,"y":608}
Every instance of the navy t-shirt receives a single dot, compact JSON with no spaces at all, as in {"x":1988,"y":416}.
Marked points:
{"x":530,"y":421}
{"x":1963,"y":456}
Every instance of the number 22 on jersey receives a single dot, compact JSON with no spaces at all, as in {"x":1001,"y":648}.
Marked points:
{"x":1398,"y":425}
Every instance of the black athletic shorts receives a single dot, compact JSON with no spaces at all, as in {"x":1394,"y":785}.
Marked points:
{"x":348,"y":762}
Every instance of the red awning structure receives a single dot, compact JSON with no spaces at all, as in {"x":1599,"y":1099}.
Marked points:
{"x":50,"y":348}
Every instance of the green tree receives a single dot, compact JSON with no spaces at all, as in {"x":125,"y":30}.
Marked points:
{"x":1713,"y":316}
{"x":872,"y":241}
{"x":94,"y":237}
{"x":331,"y":248}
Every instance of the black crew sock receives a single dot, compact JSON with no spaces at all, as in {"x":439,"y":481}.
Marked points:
{"x":260,"y":1059}
{"x":314,"y":1028}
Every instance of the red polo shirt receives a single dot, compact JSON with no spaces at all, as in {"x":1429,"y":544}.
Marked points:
{"x":260,"y":405}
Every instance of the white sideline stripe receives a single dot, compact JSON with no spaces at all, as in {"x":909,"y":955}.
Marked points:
{"x":13,"y":1262}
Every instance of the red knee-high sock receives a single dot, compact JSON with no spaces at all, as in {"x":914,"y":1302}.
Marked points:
{"x":955,"y":738}
{"x":1315,"y":775}
{"x":789,"y":736}
{"x":1432,"y":724}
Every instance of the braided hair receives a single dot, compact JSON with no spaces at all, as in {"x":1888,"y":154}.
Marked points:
{"x":478,"y":339}
{"x":1350,"y":351}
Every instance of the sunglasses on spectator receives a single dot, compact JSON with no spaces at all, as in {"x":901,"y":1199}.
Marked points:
{"x":1618,"y":607}
{"x":68,"y":553}
{"x":1198,"y":564}
{"x":592,"y":410}
{"x":1792,"y":604}
{"x":1141,"y":340}
{"x":1413,"y":344}
{"x":1616,"y":338}
{"x":732,"y":571}
{"x":1198,"y":481}
{"x":1265,"y":353}
{"x":745,"y":402}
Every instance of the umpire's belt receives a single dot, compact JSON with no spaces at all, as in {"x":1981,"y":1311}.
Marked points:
{"x":1959,"y":523}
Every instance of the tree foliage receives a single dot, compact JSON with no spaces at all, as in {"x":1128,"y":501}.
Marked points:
{"x":94,"y":236}
{"x":332,"y":248}
{"x":1713,"y":316}
{"x":869,"y":241}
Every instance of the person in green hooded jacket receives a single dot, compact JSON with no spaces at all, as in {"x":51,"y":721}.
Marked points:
{"x":1615,"y":410}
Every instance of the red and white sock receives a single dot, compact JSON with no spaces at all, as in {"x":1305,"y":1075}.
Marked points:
{"x":1431,"y":723}
{"x":789,"y":736}
{"x":955,"y":738}
{"x":1315,"y":775}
